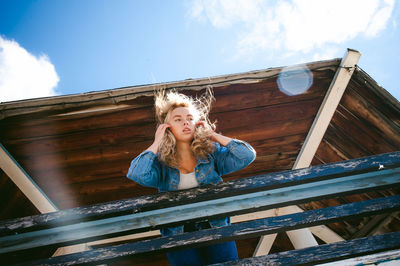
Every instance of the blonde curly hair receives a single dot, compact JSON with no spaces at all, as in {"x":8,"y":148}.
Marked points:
{"x":165,"y":102}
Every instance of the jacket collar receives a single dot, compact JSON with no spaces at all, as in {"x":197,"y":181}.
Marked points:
{"x":202,"y":160}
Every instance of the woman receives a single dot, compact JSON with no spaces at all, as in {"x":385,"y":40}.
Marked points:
{"x":187,"y":153}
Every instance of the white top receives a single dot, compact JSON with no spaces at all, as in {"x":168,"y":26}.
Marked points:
{"x":187,"y":181}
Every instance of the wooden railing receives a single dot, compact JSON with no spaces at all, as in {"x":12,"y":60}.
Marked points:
{"x":81,"y":225}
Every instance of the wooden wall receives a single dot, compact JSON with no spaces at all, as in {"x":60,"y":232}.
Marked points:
{"x":365,"y":123}
{"x":81,"y":157}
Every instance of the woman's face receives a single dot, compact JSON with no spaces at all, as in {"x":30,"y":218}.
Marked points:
{"x":182,"y":123}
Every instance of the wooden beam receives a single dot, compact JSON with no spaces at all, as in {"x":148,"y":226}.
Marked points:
{"x":262,"y":182}
{"x":328,"y":252}
{"x":122,"y":95}
{"x":304,"y":238}
{"x":366,"y":228}
{"x":237,"y":231}
{"x":264,"y":245}
{"x":321,"y":231}
{"x":136,"y":205}
{"x":378,"y":229}
{"x":318,"y":129}
{"x":317,"y":132}
{"x":138,"y":236}
{"x":327,"y":109}
{"x":252,"y":216}
{"x":316,"y":230}
{"x":156,"y":233}
{"x":146,"y":202}
{"x":32,"y":191}
{"x":386,"y":258}
{"x":301,"y":238}
{"x":326,"y":234}
{"x":246,"y":203}
{"x":25,"y":183}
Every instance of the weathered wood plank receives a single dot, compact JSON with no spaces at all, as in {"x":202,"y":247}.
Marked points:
{"x":349,"y":146}
{"x":69,"y":201}
{"x":141,"y":110}
{"x":128,"y":150}
{"x":265,"y":92}
{"x":303,"y":238}
{"x":122,"y":95}
{"x":39,"y":154}
{"x":90,"y":172}
{"x":361,"y":108}
{"x":382,"y":258}
{"x":230,"y":188}
{"x":326,"y":153}
{"x":239,"y":204}
{"x":235,"y":231}
{"x":372,"y":139}
{"x":85,"y":174}
{"x":56,"y":143}
{"x":376,"y":96}
{"x":25,"y":183}
{"x":326,"y":253}
{"x":13,"y":203}
{"x":45,"y":126}
{"x":327,"y":108}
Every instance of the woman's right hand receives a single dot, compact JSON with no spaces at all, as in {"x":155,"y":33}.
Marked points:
{"x":160,"y":132}
{"x":159,"y":135}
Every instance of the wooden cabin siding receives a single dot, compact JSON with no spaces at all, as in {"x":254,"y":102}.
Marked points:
{"x":82,"y":159}
{"x":235,"y":197}
{"x":13,"y":203}
{"x":363,"y":124}
{"x":78,"y":148}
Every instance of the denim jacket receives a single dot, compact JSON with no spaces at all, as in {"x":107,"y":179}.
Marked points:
{"x":148,"y":171}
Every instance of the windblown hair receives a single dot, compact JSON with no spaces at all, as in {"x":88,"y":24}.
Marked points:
{"x":202,"y":145}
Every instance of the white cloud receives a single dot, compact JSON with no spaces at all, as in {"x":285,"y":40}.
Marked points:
{"x":328,"y":52}
{"x":23,"y":75}
{"x":294,"y":26}
{"x":224,"y":13}
{"x":379,"y":20}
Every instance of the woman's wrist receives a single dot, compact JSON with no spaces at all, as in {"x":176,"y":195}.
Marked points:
{"x":221,"y":139}
{"x":153,"y":147}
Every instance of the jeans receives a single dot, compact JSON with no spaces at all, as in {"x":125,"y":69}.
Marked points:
{"x":204,"y":255}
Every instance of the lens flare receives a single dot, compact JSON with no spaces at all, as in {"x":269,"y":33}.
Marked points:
{"x":295,"y":80}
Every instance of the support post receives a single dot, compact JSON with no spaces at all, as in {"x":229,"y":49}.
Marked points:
{"x":25,"y":183}
{"x":303,"y":238}
{"x":32,"y":191}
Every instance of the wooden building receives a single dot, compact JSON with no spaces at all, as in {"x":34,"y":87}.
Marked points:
{"x":71,"y":151}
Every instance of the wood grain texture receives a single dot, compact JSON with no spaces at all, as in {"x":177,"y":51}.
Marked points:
{"x":231,"y":188}
{"x":208,"y":209}
{"x":71,"y":144}
{"x":328,"y":252}
{"x":241,"y":230}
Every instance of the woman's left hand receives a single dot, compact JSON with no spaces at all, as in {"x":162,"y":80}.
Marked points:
{"x":201,"y":123}
{"x":205,"y":125}
{"x":221,"y":139}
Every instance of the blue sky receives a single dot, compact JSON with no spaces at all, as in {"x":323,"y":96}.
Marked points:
{"x":64,"y":47}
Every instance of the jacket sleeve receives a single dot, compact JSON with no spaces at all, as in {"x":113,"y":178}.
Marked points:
{"x":145,"y":169}
{"x":234,"y":156}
